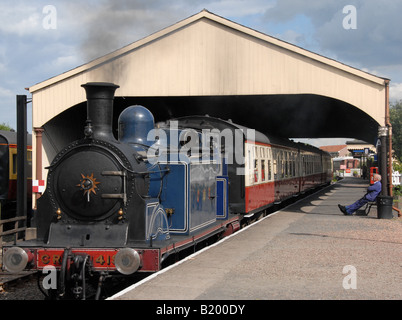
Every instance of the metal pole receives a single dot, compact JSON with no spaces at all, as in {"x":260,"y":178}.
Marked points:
{"x":389,"y":125}
{"x":38,"y":171}
{"x":382,"y":134}
{"x":21,"y":155}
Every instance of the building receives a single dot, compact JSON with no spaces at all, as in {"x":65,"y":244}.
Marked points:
{"x":360,"y":149}
{"x":336,"y":151}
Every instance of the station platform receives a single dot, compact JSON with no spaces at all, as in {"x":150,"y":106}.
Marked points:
{"x":309,"y":250}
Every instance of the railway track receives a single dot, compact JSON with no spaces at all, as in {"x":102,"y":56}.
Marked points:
{"x":26,"y":286}
{"x":21,"y":286}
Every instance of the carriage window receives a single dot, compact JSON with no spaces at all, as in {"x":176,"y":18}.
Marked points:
{"x":14,"y":163}
{"x":311,"y":164}
{"x":255,"y":170}
{"x":314,"y":164}
{"x":286,"y":164}
{"x":291,"y":165}
{"x":269,"y":170}
{"x":263,"y":170}
{"x":289,"y":157}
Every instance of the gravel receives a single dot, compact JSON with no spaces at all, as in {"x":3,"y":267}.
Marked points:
{"x":24,"y":289}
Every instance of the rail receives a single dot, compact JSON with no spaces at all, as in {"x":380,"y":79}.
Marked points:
{"x":14,"y":231}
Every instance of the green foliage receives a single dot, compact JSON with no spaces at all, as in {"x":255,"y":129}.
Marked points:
{"x":396,"y":191}
{"x":395,"y":114}
{"x":5,"y":126}
{"x":397,"y":166}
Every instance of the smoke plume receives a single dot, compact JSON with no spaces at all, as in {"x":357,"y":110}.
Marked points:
{"x":116,"y":23}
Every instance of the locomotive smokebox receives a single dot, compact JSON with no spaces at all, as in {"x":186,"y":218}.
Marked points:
{"x":100,"y":97}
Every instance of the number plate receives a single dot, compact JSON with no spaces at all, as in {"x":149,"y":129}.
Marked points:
{"x":100,"y":259}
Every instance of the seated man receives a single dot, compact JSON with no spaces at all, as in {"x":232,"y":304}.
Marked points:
{"x":371,"y":195}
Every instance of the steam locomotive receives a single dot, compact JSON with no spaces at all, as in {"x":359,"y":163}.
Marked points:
{"x":124,"y":206}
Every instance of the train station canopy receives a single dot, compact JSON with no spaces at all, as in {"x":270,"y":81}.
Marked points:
{"x":207,"y":64}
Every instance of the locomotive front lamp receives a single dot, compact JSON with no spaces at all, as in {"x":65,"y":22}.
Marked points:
{"x":16,"y":259}
{"x":127,"y":261}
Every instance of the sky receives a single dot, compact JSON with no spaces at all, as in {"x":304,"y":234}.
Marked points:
{"x":41,"y":39}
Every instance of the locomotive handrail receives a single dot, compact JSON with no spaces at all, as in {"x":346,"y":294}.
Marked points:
{"x":123,"y":195}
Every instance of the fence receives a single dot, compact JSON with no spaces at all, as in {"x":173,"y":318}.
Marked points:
{"x":14,"y":231}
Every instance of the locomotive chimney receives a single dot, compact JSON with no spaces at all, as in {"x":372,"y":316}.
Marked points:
{"x":100,"y":97}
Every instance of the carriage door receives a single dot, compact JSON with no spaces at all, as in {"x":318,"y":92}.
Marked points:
{"x":222,"y":198}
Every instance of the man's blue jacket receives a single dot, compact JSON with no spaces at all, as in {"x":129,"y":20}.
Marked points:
{"x":373,"y":191}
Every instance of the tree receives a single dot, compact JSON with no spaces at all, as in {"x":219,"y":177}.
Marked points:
{"x":395,"y":114}
{"x":6,"y":127}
